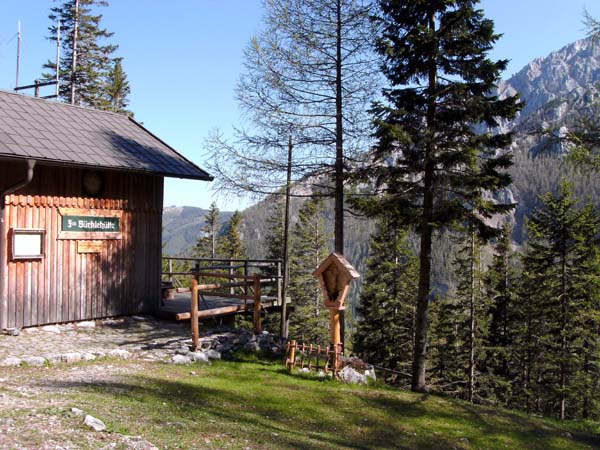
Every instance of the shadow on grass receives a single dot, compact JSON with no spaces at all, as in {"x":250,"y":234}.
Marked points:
{"x":272,"y":411}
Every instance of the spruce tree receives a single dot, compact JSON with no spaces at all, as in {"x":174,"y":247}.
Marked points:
{"x":82,"y":40}
{"x":431,"y":165}
{"x":116,"y":89}
{"x":230,"y":246}
{"x":471,"y":304}
{"x":385,"y":331}
{"x":559,"y":336}
{"x":275,"y":224}
{"x":206,"y":246}
{"x":500,"y":285}
{"x":310,"y":321}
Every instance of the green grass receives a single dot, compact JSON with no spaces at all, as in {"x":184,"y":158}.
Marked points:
{"x":252,"y":403}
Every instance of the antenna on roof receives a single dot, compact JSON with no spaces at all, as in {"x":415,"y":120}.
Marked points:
{"x":18,"y":52}
{"x":37,"y":84}
{"x":57,"y":60}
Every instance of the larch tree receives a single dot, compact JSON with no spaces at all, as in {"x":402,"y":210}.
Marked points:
{"x":309,"y":77}
{"x":385,"y":331}
{"x":430,"y":163}
{"x":86,"y":57}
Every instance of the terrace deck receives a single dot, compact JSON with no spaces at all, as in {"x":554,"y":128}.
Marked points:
{"x":179,"y":307}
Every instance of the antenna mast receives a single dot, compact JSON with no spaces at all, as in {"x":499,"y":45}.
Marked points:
{"x":18,"y":52}
{"x":74,"y":66}
{"x":57,"y":60}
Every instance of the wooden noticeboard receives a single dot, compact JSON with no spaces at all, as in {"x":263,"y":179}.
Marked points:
{"x":89,"y":246}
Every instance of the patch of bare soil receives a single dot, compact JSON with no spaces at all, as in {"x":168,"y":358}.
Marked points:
{"x":34,"y":414}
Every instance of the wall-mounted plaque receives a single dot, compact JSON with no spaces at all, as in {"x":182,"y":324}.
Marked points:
{"x":27,"y":243}
{"x":90,"y":223}
{"x":89,"y":247}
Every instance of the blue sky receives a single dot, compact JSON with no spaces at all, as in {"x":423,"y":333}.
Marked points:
{"x":183,"y":58}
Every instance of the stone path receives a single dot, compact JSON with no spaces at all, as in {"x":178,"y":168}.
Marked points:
{"x":141,"y":337}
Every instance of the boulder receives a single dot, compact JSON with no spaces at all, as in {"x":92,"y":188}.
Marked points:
{"x":11,"y":361}
{"x":181,"y":359}
{"x":119,"y":353}
{"x":197,"y":356}
{"x":351,"y":376}
{"x":95,"y":424}
{"x":213,"y":354}
{"x":34,"y":360}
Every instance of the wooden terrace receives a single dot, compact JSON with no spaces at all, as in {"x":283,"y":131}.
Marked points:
{"x":222,"y":288}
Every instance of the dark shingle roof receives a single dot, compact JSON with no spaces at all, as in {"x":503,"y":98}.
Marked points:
{"x":65,"y":134}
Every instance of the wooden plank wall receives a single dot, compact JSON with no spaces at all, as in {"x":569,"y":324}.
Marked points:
{"x":124,"y":278}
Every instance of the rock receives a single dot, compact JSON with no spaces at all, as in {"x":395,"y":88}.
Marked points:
{"x":34,"y":360}
{"x":11,"y":361}
{"x":95,"y":424}
{"x":139,"y":318}
{"x":77,"y":411}
{"x":51,"y":329}
{"x":119,"y":353}
{"x":99,"y":354}
{"x":71,"y":357}
{"x":181,"y":359}
{"x":351,"y":376}
{"x":88,"y":357}
{"x":54,"y":359}
{"x":184,"y":350}
{"x":197,"y":356}
{"x":86,"y":324}
{"x":370,"y":374}
{"x":213,"y":354}
{"x":252,"y":346}
{"x":305,"y":370}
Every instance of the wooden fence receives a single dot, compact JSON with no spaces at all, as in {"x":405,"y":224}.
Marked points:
{"x":311,"y":357}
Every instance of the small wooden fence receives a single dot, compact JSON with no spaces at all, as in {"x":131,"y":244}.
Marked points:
{"x":311,"y":357}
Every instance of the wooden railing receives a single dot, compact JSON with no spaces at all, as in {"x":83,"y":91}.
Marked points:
{"x":240,"y":279}
{"x":250,"y":284}
{"x":314,"y":357}
{"x":177,"y":270}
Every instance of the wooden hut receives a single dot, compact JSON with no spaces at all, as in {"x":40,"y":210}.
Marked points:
{"x":81,"y":197}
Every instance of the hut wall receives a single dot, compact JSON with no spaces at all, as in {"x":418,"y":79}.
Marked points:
{"x":119,"y":276}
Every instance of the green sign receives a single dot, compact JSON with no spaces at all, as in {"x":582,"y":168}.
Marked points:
{"x":90,"y":223}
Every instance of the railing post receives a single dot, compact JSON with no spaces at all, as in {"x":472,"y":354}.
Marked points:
{"x":257,"y":305}
{"x":231,"y":272}
{"x":246,"y":274}
{"x":195,"y":326}
{"x":171,"y":270}
{"x":279,"y":284}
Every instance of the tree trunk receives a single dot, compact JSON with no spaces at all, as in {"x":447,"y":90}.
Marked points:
{"x":426,"y":231}
{"x":471,"y":377}
{"x":339,"y":149}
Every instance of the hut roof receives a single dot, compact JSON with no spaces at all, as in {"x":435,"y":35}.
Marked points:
{"x":61,"y":134}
